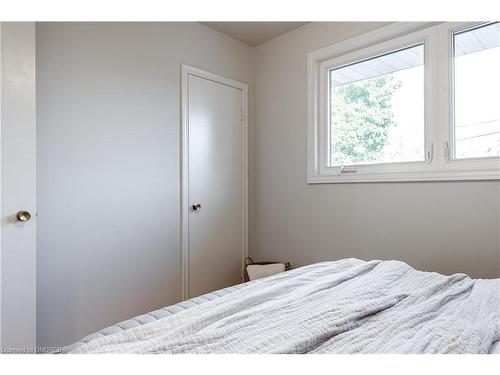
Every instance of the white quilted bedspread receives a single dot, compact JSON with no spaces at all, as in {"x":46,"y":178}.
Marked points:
{"x":347,"y":306}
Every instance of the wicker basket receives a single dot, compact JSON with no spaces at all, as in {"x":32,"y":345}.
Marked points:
{"x":249,"y":261}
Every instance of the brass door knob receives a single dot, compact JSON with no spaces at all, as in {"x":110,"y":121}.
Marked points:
{"x":196,"y":207}
{"x":23,"y":216}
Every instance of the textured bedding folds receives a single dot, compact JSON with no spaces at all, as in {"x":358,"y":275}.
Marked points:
{"x":347,"y":306}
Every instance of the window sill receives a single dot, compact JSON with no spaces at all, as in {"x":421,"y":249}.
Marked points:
{"x":481,"y":175}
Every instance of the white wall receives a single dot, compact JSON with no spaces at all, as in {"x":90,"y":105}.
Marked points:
{"x":108,"y":166}
{"x":446,"y":227}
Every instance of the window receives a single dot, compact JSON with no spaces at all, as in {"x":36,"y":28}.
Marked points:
{"x":377,"y":109}
{"x":477,"y":92}
{"x":407,"y":102}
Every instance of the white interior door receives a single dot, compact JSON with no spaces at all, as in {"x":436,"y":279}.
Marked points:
{"x":18,"y":186}
{"x":214,"y":166}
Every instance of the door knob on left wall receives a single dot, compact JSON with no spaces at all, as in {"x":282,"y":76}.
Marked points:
{"x":196,"y":207}
{"x":23,"y":216}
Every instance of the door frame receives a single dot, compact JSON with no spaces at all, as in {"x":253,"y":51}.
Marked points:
{"x":186,"y":71}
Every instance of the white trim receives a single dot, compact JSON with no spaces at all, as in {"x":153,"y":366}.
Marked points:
{"x":437,"y":95}
{"x":187,"y":70}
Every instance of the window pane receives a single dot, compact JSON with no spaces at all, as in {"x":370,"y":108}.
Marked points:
{"x":477,"y":92}
{"x":377,"y":110}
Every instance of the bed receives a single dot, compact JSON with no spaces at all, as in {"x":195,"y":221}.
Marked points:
{"x":346,"y":306}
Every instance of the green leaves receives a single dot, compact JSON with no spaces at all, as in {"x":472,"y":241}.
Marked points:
{"x":361,"y":114}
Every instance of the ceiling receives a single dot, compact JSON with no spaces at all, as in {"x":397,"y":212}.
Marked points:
{"x":253,"y":33}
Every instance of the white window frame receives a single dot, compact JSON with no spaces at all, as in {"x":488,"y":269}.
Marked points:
{"x":438,"y":103}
